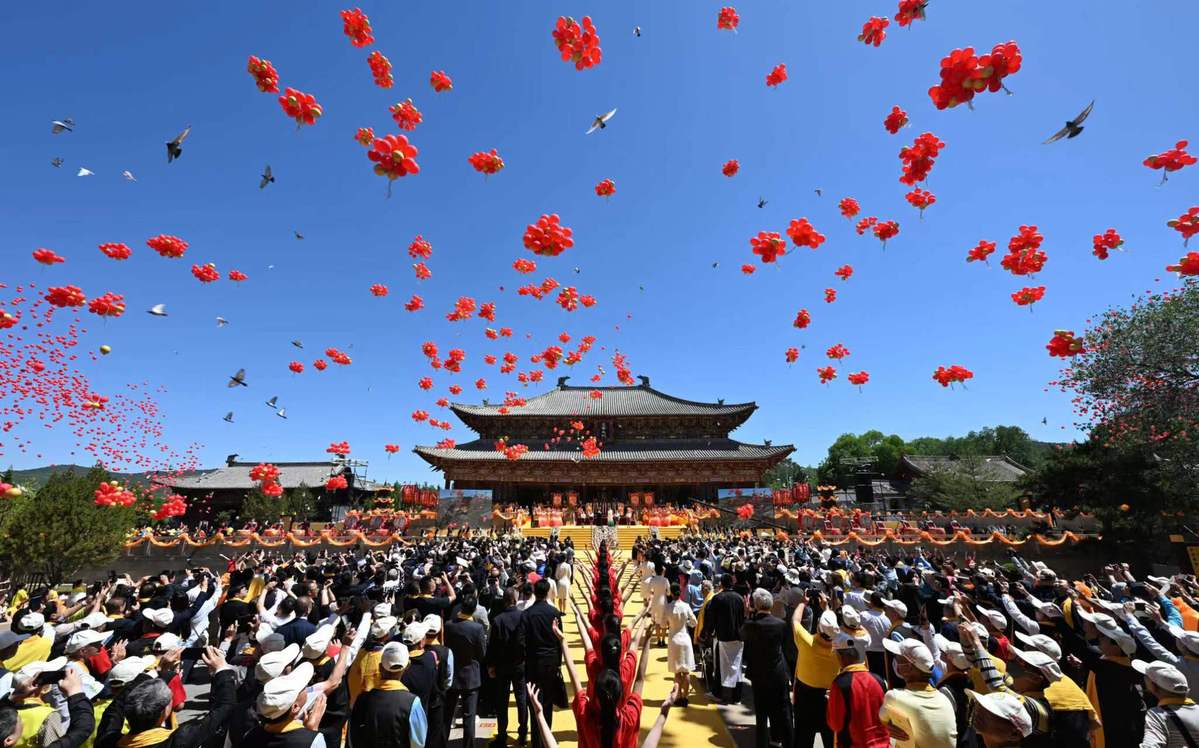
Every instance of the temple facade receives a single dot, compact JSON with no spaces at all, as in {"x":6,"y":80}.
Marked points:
{"x":650,"y":443}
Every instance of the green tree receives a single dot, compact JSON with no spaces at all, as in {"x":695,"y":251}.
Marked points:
{"x":962,"y":487}
{"x":7,"y":477}
{"x":786,"y":473}
{"x":301,"y":504}
{"x":263,"y":509}
{"x":887,"y":450}
{"x":61,"y":529}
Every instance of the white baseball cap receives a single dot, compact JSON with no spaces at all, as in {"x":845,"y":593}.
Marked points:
{"x":912,"y":651}
{"x":952,"y":653}
{"x":1099,"y":619}
{"x":381,"y":610}
{"x":84,"y":638}
{"x":1039,"y":660}
{"x":381,"y":627}
{"x":279,"y":694}
{"x":827,"y":624}
{"x":94,"y":620}
{"x":994,"y":617}
{"x":1163,"y":675}
{"x":851,"y":617}
{"x":394,"y":657}
{"x":41,"y":666}
{"x":1005,"y":706}
{"x":161,"y":617}
{"x":129,"y":668}
{"x":414,"y":633}
{"x":844,"y":641}
{"x":1126,"y":643}
{"x":1041,"y":642}
{"x":433,"y":623}
{"x":165,"y":643}
{"x":899,"y":607}
{"x":31,"y":622}
{"x":272,"y":664}
{"x":318,"y":641}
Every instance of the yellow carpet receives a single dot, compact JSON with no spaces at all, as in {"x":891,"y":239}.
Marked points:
{"x":697,"y":725}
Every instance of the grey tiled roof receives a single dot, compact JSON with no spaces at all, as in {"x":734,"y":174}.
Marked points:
{"x":990,"y":467}
{"x":237,"y":476}
{"x":640,"y":400}
{"x":628,"y":451}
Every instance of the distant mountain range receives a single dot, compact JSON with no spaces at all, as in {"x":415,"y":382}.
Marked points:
{"x":33,"y":477}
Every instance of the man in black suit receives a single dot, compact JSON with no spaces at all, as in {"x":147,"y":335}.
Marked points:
{"x":506,"y":666}
{"x":723,"y":617}
{"x":543,"y":652}
{"x":467,"y":639}
{"x":764,"y":636}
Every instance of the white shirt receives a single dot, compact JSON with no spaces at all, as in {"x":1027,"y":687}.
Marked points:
{"x":877,"y":625}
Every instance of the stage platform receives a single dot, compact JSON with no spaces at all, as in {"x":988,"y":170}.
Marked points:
{"x":626,"y":535}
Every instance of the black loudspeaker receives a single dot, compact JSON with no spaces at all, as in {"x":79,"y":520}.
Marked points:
{"x":864,"y":489}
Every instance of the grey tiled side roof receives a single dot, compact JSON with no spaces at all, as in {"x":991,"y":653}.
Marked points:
{"x":629,"y":451}
{"x":641,"y":400}
{"x":237,"y":476}
{"x":990,"y":467}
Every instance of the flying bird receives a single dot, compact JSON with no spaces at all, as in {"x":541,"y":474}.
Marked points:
{"x":819,"y":192}
{"x":298,"y":236}
{"x":229,"y":417}
{"x":1045,"y":421}
{"x":238,"y":379}
{"x":601,"y":122}
{"x":637,"y":31}
{"x":267,"y":177}
{"x":65,"y":124}
{"x":282,"y":413}
{"x":56,"y":162}
{"x":128,"y":176}
{"x":158,"y":310}
{"x":1073,"y":127}
{"x":175,"y":147}
{"x":273,"y":402}
{"x":85,"y":172}
{"x":298,"y":343}
{"x":762,"y":202}
{"x":716,"y":264}
{"x":577,"y":270}
{"x":221,"y":321}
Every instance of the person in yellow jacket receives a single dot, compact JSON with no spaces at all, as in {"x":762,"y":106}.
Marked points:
{"x":364,"y":673}
{"x":815,"y":668}
{"x":34,"y":647}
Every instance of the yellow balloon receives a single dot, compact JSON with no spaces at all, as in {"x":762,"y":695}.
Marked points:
{"x":14,"y":492}
{"x":105,"y":350}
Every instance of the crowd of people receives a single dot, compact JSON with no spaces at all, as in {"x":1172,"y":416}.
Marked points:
{"x":859,"y":647}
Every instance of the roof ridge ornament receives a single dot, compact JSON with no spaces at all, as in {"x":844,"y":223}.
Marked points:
{"x":644,"y":380}
{"x":562,"y":382}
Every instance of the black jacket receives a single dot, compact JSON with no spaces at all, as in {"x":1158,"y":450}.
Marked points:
{"x":83,"y":721}
{"x":764,"y":637}
{"x":724,"y":615}
{"x":543,"y":651}
{"x":468,"y":641}
{"x":191,"y":734}
{"x":506,"y":645}
{"x":382,"y":718}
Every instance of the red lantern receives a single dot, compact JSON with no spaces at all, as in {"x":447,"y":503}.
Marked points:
{"x":635,"y":499}
{"x":649,"y":498}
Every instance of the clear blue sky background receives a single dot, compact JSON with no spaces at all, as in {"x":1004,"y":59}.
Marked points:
{"x":132,"y":74}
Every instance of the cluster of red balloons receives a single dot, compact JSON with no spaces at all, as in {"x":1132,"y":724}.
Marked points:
{"x":47,"y":256}
{"x":1028,"y":295}
{"x":537,"y":292}
{"x":365,"y":136}
{"x":486,"y":163}
{"x":858,"y":377}
{"x":963,"y":74}
{"x":768,"y":245}
{"x":422,"y":271}
{"x":406,"y":115}
{"x":606,"y":188}
{"x":320,"y":364}
{"x":415,"y":303}
{"x":849,"y":208}
{"x":336,"y":483}
{"x":394,"y":157}
{"x":745,"y":511}
{"x":420,"y":415}
{"x":206,"y":273}
{"x":1024,"y":255}
{"x":920,"y":199}
{"x":548,"y":236}
{"x":791,"y":354}
{"x":578,"y":44}
{"x":1105,"y":242}
{"x":1172,"y":159}
{"x":166,"y":245}
{"x":885,"y":230}
{"x":837,"y":352}
{"x":981,"y":252}
{"x":338,"y":357}
{"x":727,"y":19}
{"x":420,"y":247}
{"x":265,"y":75}
{"x":845,"y":272}
{"x":826,"y":374}
{"x":955,"y":373}
{"x":174,"y":506}
{"x":65,"y":296}
{"x":570,"y":299}
{"x":107,"y":305}
{"x":919,"y":157}
{"x":865,"y":223}
{"x":524,"y":266}
{"x":116,"y":250}
{"x":802,"y":319}
{"x":380,"y":69}
{"x":1064,"y":344}
{"x":896,"y":120}
{"x":830,"y":295}
{"x":591,"y":448}
{"x":731,"y":167}
{"x":440,"y":81}
{"x":338,"y":448}
{"x":1188,"y":264}
{"x":874,"y":31}
{"x":378,"y":289}
{"x":909,"y":11}
{"x":114,"y":494}
{"x":391,"y":448}
{"x":300,"y":106}
{"x":777,"y":75}
{"x":803,"y":234}
{"x":296,"y":367}
{"x":446,"y":444}
{"x":358,"y":27}
{"x":748,"y":269}
{"x":1186,"y":224}
{"x":464,"y":308}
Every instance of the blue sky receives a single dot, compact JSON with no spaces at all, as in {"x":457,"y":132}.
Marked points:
{"x":689,"y":98}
